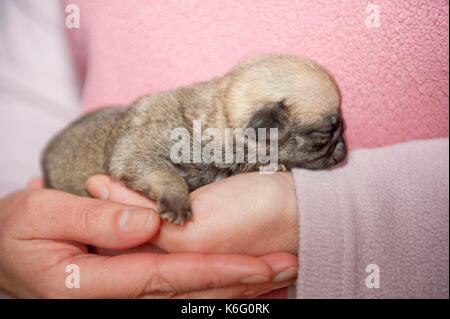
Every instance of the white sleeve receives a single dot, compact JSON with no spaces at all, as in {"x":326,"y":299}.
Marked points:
{"x":39,"y":93}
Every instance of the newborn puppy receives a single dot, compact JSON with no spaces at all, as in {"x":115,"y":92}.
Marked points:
{"x":293,"y":94}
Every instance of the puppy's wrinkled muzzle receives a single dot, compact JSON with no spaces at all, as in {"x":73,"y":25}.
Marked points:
{"x":335,"y":155}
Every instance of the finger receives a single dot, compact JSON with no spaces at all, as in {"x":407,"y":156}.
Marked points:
{"x":213,"y":271}
{"x":35,"y":183}
{"x":50,"y":214}
{"x":284,"y":268}
{"x":235,"y":292}
{"x":283,"y":265}
{"x":145,"y":248}
{"x":159,"y":276}
{"x":279,"y":293}
{"x":103,"y":187}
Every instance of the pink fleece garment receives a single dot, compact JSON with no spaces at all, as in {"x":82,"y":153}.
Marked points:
{"x":393,"y":78}
{"x":386,"y":206}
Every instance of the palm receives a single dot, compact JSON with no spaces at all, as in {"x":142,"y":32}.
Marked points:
{"x":248,"y":214}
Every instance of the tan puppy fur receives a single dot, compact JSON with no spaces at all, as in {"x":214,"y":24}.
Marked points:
{"x":293,"y":94}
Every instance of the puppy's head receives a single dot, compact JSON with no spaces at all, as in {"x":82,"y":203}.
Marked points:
{"x":295,"y":95}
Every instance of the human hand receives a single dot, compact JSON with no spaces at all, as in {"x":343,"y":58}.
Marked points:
{"x":43,"y":231}
{"x":252,"y":214}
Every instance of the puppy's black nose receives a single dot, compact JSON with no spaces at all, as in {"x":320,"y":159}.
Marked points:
{"x":339,"y":151}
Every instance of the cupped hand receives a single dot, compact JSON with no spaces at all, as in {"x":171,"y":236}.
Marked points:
{"x":252,"y":214}
{"x":43,"y":231}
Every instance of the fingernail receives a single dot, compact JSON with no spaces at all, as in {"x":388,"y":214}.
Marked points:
{"x":257,"y":279}
{"x":135,"y":220}
{"x":96,"y":188}
{"x":287,"y":274}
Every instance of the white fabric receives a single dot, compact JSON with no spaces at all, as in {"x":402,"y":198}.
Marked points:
{"x":38,"y":88}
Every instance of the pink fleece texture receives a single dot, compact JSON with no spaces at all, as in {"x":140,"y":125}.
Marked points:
{"x":394,"y":78}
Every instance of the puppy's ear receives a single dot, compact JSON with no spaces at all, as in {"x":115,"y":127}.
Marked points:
{"x":273,"y":115}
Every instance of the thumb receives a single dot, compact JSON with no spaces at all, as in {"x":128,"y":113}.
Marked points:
{"x":58,"y":215}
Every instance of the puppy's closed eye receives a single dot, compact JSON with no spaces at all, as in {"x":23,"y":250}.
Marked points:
{"x":272,"y":115}
{"x":326,"y":131}
{"x":322,"y":133}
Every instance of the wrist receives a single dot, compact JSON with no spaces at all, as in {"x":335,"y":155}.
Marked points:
{"x":289,"y":212}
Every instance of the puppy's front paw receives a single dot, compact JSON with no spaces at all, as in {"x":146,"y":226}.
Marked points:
{"x":175,"y":207}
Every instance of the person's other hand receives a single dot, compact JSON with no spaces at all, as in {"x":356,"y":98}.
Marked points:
{"x":252,"y":214}
{"x":43,"y":231}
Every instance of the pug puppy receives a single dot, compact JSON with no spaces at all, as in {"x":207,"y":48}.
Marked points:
{"x":293,"y":94}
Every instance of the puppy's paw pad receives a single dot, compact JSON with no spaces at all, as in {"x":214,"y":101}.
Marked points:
{"x":175,"y":208}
